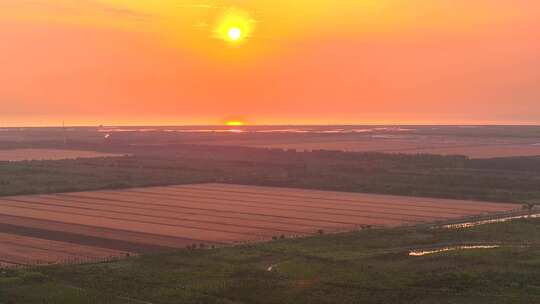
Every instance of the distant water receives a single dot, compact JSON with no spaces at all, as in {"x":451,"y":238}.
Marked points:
{"x":373,"y":130}
{"x":264,"y":129}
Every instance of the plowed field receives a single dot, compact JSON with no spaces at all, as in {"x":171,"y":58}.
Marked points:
{"x":98,"y":225}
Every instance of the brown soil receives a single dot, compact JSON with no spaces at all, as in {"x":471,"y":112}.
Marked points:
{"x":49,"y":154}
{"x":97,"y":224}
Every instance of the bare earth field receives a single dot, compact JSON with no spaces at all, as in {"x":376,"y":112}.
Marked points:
{"x":22,"y":250}
{"x":471,"y":147}
{"x":49,"y":154}
{"x":86,"y":226}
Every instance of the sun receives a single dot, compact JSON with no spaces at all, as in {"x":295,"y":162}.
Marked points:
{"x":234,"y":26}
{"x":234,"y":34}
{"x":235,"y":123}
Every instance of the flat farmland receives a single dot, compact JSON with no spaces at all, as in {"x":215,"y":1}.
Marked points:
{"x":49,"y":154}
{"x":96,"y":225}
{"x":473,"y":147}
{"x":478,"y":151}
{"x":22,"y":250}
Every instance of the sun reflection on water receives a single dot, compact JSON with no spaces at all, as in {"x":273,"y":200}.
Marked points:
{"x":485,"y":222}
{"x":417,"y":253}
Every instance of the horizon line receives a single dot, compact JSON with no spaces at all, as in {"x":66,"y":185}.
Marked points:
{"x":274,"y":125}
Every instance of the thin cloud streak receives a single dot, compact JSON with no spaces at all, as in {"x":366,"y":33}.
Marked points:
{"x":74,"y":8}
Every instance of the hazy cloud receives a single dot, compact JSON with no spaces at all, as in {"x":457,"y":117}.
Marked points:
{"x":73,"y":7}
{"x":199,"y":6}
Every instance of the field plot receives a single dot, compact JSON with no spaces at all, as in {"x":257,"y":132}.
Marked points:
{"x":49,"y":154}
{"x":472,"y":147}
{"x":21,"y":250}
{"x":479,"y":151}
{"x":91,"y":226}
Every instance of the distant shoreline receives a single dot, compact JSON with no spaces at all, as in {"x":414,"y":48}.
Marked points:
{"x":487,"y":125}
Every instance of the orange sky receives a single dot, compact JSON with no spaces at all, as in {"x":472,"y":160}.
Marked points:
{"x":157,"y":62}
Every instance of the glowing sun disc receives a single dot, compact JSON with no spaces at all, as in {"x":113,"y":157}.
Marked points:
{"x":235,"y":123}
{"x":234,"y":34}
{"x":234,"y":26}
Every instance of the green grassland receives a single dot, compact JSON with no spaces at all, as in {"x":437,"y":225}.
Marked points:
{"x":504,"y":179}
{"x":368,"y":266}
{"x":36,"y":177}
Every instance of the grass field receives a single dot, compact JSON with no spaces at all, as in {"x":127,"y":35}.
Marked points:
{"x":368,"y":266}
{"x":49,"y":154}
{"x":196,"y":215}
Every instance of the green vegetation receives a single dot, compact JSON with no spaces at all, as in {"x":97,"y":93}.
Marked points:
{"x":368,"y":266}
{"x":32,"y":177}
{"x":504,"y":179}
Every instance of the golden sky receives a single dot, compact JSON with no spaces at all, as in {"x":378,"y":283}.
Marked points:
{"x":295,"y":62}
